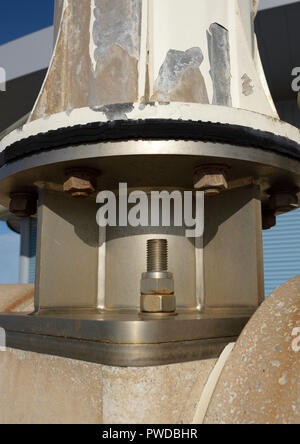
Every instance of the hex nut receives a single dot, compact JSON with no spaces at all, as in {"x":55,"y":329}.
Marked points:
{"x":79,"y":188}
{"x":268,"y":220}
{"x":211,"y":179}
{"x":158,"y":303}
{"x":282,"y":202}
{"x":81,"y":182}
{"x":157,"y":286}
{"x":23,"y":204}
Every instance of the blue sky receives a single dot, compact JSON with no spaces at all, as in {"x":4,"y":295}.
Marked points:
{"x":9,"y":255}
{"x":17,"y":19}
{"x":22,"y":17}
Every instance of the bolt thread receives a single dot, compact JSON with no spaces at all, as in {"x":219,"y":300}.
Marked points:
{"x":157,"y":255}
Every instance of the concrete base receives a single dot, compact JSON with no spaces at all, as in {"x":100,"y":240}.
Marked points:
{"x":260,"y":382}
{"x":255,"y":382}
{"x":45,"y":389}
{"x":16,"y":298}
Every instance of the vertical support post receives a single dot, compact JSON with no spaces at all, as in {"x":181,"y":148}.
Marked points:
{"x":233,"y":261}
{"x":67,"y":253}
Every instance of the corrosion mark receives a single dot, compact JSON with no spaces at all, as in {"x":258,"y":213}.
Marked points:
{"x":220,"y":67}
{"x":117,"y":111}
{"x":117,"y":23}
{"x":26,"y":297}
{"x":180,"y":78}
{"x":116,"y":36}
{"x":116,"y":78}
{"x":248,"y":88}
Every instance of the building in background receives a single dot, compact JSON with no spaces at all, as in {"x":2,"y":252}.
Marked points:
{"x":27,"y":228}
{"x":278,"y":35}
{"x":26,"y":59}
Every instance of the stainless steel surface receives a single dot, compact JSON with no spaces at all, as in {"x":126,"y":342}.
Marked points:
{"x":125,"y":256}
{"x":125,"y":327}
{"x":157,"y":255}
{"x":232,"y":251}
{"x":157,"y":285}
{"x":122,"y":339}
{"x":68,"y":247}
{"x":158,"y":303}
{"x":157,"y":280}
{"x":87,"y":289}
{"x":157,"y":275}
{"x":121,"y":355}
{"x":67,"y":252}
{"x":80,"y":266}
{"x":132,"y":161}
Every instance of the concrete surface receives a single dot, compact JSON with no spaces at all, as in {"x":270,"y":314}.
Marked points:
{"x":260,"y":383}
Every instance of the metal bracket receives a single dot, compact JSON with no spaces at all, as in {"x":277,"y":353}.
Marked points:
{"x":126,"y":341}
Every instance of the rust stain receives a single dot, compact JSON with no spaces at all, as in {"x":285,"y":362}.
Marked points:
{"x":190,"y":88}
{"x":59,"y":4}
{"x":180,"y":78}
{"x":28,"y":295}
{"x":116,"y":78}
{"x":80,"y":77}
{"x":68,"y":80}
{"x":117,"y":35}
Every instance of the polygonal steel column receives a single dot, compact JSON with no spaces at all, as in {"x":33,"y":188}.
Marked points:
{"x":134,"y":97}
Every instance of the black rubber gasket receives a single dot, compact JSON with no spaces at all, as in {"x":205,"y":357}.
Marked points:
{"x":151,"y":129}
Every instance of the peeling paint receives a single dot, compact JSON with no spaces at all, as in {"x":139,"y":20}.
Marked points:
{"x":153,"y":110}
{"x":180,"y":76}
{"x":116,"y":112}
{"x":92,"y":46}
{"x":117,"y":40}
{"x":116,"y":78}
{"x":111,"y":51}
{"x":117,"y":22}
{"x":190,"y":88}
{"x":247,"y":86}
{"x":68,"y":88}
{"x":220,"y":68}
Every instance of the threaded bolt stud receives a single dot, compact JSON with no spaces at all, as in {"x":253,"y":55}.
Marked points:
{"x":157,"y":255}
